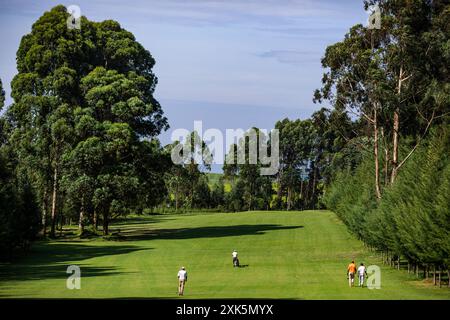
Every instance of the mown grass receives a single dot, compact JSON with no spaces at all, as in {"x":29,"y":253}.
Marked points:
{"x":294,"y":255}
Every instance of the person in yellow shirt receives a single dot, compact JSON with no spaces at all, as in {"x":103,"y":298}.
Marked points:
{"x":351,"y":270}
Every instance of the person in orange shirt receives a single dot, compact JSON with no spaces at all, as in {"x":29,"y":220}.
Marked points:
{"x":351,"y":270}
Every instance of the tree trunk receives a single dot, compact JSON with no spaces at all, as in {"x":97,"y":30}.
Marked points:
{"x":439,"y":276}
{"x":80,"y":221}
{"x":434,"y":274}
{"x":395,"y":146}
{"x":44,"y":212}
{"x":386,"y":159}
{"x":61,"y":221}
{"x":54,"y":200}
{"x":386,"y":167}
{"x":105,"y":224}
{"x":396,"y":126}
{"x":95,"y":220}
{"x":375,"y":152}
{"x":448,"y":275}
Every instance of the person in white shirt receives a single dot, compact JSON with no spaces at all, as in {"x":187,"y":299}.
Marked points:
{"x":234,"y":254}
{"x":182,"y":279}
{"x":362,"y":273}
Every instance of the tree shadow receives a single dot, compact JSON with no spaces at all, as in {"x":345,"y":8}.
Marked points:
{"x":130,"y":234}
{"x":147,"y":219}
{"x":50,"y":261}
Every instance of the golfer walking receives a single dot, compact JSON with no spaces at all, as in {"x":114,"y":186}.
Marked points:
{"x":351,"y":270}
{"x":362,"y":273}
{"x":234,"y":254}
{"x":182,"y":278}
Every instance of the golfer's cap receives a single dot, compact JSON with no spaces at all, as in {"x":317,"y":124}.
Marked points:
{"x":182,"y":268}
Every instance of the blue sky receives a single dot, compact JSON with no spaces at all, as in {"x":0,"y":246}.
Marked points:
{"x":229,"y":63}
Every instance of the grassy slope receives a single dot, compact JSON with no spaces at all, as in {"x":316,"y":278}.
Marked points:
{"x":301,"y":255}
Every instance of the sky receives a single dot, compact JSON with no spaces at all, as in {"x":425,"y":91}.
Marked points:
{"x":229,"y":63}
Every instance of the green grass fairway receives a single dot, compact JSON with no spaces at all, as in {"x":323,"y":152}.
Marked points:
{"x":292,"y":255}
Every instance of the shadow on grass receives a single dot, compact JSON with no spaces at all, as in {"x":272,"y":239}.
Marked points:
{"x":147,"y":219}
{"x":128,"y":234}
{"x":50,"y":261}
{"x":71,"y":233}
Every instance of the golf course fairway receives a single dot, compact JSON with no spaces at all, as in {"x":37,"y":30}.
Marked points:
{"x":283,"y":255}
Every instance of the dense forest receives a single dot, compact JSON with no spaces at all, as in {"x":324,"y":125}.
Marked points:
{"x":79,"y":144}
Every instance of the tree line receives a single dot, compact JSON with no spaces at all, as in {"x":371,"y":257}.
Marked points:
{"x":394,"y":195}
{"x":306,"y":163}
